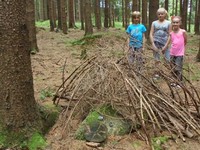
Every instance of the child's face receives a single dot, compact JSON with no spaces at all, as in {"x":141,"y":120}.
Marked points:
{"x":136,"y":19}
{"x":161,"y":15}
{"x":175,"y":23}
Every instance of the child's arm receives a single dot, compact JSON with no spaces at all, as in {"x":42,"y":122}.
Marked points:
{"x":185,"y":37}
{"x":151,"y":37}
{"x":166,"y":45}
{"x":144,"y":42}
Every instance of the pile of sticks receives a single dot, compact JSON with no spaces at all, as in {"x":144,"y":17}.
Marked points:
{"x":135,"y":95}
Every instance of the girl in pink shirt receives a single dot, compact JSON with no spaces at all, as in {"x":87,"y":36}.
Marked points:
{"x":178,"y":39}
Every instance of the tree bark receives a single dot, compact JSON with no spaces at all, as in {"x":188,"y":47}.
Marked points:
{"x":18,"y":106}
{"x":30,"y":20}
{"x":97,"y":14}
{"x":71,"y":14}
{"x":88,"y":19}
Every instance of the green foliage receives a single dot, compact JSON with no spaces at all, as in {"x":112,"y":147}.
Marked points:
{"x":19,"y":140}
{"x":44,"y":24}
{"x":87,"y":40}
{"x":158,"y":141}
{"x":36,"y":142}
{"x":108,"y":110}
{"x":46,"y":93}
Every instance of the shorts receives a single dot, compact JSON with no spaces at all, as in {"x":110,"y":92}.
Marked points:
{"x":156,"y":55}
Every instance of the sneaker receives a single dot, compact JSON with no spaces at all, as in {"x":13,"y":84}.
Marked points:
{"x":173,"y":85}
{"x":156,"y":77}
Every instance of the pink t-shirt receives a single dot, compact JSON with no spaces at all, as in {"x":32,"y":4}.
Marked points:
{"x":178,"y":43}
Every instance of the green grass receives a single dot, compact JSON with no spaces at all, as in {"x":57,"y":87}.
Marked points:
{"x":44,"y":24}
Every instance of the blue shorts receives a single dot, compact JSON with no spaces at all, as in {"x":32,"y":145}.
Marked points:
{"x":156,"y":55}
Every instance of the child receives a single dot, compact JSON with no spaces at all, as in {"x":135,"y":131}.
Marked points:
{"x":136,"y":38}
{"x":178,"y":40}
{"x":159,"y":35}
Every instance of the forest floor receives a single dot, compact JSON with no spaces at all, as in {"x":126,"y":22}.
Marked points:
{"x":57,"y":58}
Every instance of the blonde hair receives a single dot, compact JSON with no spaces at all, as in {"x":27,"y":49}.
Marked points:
{"x":136,"y":13}
{"x":162,"y":10}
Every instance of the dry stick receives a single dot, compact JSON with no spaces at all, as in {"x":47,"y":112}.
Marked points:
{"x":129,"y":96}
{"x":192,"y":124}
{"x":175,"y":125}
{"x":73,"y":79}
{"x":62,"y":85}
{"x":160,"y":115}
{"x":147,"y":109}
{"x":71,"y":113}
{"x":72,"y":95}
{"x":63,"y":71}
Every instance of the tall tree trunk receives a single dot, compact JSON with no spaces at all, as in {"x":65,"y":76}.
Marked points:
{"x":97,"y":11}
{"x":198,"y":55}
{"x":190,"y":16}
{"x":63,"y":16}
{"x":30,"y":20}
{"x":106,"y":13}
{"x":18,"y":108}
{"x":167,"y":4}
{"x":52,"y":15}
{"x":59,"y":14}
{"x":144,"y":15}
{"x":127,"y":12}
{"x":123,"y":13}
{"x":153,"y":7}
{"x":88,"y":19}
{"x":197,"y":16}
{"x":82,"y":14}
{"x":135,"y":7}
{"x":176,"y":8}
{"x":71,"y":13}
{"x":184,"y":14}
{"x":41,"y":10}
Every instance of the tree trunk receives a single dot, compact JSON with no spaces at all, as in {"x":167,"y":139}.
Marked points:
{"x":106,"y":14}
{"x":18,"y":108}
{"x":63,"y":16}
{"x":197,"y":16}
{"x":153,"y":7}
{"x":30,"y":20}
{"x":176,"y":8}
{"x":82,"y":14}
{"x":184,"y":14}
{"x":52,"y":15}
{"x":71,"y":13}
{"x":135,"y":6}
{"x":88,"y":19}
{"x":167,"y":4}
{"x":198,"y":55}
{"x":59,"y":14}
{"x":127,"y":12}
{"x":97,"y":11}
{"x":190,"y":16}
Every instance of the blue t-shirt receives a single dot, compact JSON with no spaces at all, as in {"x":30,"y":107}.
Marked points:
{"x":136,"y":35}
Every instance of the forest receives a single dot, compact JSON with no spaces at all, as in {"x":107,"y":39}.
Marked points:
{"x":66,"y":83}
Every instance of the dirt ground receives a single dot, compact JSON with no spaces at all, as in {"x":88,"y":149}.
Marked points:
{"x":56,"y":59}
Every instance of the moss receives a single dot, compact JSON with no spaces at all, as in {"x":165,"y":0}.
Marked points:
{"x":158,"y":141}
{"x":37,"y":141}
{"x":49,"y":115}
{"x":86,"y":40}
